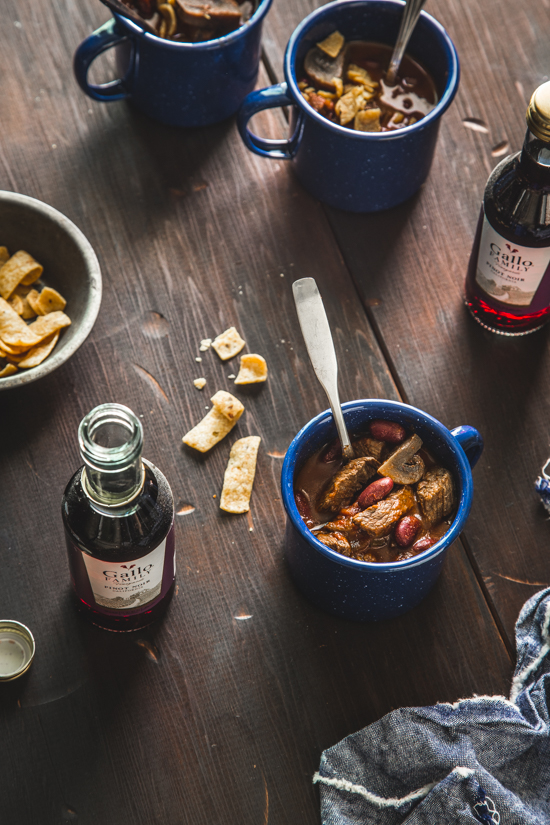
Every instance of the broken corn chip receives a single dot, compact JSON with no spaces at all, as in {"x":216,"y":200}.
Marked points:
{"x":227,"y":405}
{"x":332,"y":45}
{"x":20,"y":268}
{"x":47,"y":324}
{"x":32,"y":299}
{"x":368,"y":121}
{"x":37,"y":354}
{"x":9,"y":369}
{"x":215,"y":425}
{"x":358,"y":75}
{"x":253,"y":369}
{"x":239,"y":475}
{"x":16,"y":303}
{"x":228,"y":343}
{"x":13,"y":330}
{"x":50,"y":300}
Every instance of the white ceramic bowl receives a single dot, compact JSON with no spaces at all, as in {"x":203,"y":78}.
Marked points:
{"x":70,"y":266}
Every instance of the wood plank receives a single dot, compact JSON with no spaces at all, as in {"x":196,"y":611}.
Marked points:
{"x":409,"y":266}
{"x":210,"y":716}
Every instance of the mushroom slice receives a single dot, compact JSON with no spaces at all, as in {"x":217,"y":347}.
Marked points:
{"x":403,"y":466}
{"x":323,"y":70}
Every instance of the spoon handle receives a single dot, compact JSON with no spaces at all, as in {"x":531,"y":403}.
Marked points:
{"x":318,"y":338}
{"x":411,"y":13}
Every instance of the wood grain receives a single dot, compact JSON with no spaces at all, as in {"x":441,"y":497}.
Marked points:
{"x":221,"y":712}
{"x":409,"y":266}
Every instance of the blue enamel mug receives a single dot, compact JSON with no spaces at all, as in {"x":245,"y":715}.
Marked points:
{"x":356,"y":171}
{"x":177,"y":83}
{"x":366,"y":591}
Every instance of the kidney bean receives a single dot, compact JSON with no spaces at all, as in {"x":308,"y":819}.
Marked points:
{"x":303,"y":507}
{"x":376,"y":491}
{"x":332,"y":452}
{"x":423,"y":544}
{"x":406,"y":530}
{"x":388,"y":431}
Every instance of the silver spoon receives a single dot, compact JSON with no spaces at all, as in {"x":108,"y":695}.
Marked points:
{"x":409,"y":20}
{"x":316,"y":331}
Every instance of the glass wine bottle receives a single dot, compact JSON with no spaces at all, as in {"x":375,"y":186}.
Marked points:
{"x":118,"y":514}
{"x":508,"y":280}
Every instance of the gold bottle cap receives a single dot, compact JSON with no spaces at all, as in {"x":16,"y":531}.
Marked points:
{"x":538,"y":112}
{"x":16,"y":649}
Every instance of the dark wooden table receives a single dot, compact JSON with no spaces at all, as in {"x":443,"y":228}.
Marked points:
{"x":211,"y":717}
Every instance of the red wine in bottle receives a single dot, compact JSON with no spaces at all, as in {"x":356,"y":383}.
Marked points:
{"x":118,"y":514}
{"x":508,"y":280}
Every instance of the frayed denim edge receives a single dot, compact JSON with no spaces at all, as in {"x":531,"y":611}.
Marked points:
{"x":380,"y":801}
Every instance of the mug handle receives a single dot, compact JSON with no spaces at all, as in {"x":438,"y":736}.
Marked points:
{"x":471,"y":442}
{"x":102,"y":39}
{"x":270,"y":98}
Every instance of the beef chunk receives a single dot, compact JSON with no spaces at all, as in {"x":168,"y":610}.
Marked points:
{"x":369,"y":446}
{"x":347,"y":482}
{"x":436,"y":494}
{"x":343,"y":524}
{"x":336,"y":541}
{"x":379,"y":519}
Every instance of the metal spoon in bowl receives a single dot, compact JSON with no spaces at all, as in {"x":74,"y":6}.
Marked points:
{"x":409,"y":20}
{"x":320,"y":346}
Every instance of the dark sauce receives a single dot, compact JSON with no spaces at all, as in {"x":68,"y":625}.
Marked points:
{"x":412,"y":98}
{"x":314,"y":477}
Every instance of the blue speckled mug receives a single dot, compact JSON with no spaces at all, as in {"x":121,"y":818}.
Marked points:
{"x":181,"y":84}
{"x":356,"y":171}
{"x":361,"y":590}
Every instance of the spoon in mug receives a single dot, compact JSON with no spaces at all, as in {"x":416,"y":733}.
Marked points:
{"x":320,"y":346}
{"x":121,"y":8}
{"x":409,"y":20}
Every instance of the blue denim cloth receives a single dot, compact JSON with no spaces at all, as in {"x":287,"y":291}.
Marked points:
{"x":485,"y":759}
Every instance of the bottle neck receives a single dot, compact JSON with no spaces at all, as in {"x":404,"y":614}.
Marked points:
{"x":111,"y":440}
{"x":535,"y":160}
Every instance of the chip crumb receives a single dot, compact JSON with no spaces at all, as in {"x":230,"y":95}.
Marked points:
{"x":282,"y":274}
{"x":253,"y":369}
{"x":199,"y":383}
{"x":205,"y":344}
{"x":232,"y":375}
{"x":239,"y":475}
{"x":228,"y":344}
{"x":198,"y":358}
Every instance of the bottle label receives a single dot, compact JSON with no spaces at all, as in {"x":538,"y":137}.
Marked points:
{"x":509,"y":272}
{"x":129,"y":585}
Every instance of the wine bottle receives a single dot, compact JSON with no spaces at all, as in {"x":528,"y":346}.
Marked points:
{"x":508,"y":280}
{"x":118,"y":514}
